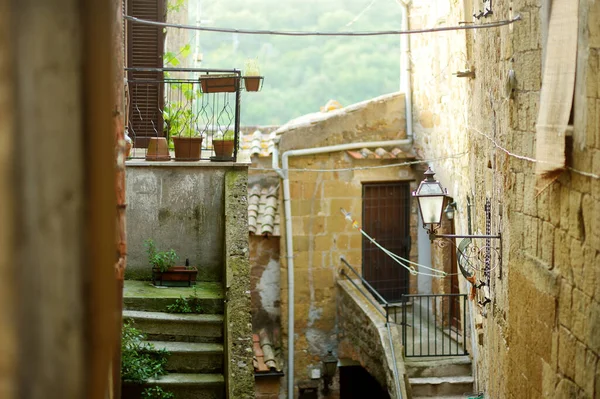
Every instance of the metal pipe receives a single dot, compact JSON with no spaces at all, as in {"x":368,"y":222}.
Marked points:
{"x":405,"y":68}
{"x":289,"y":239}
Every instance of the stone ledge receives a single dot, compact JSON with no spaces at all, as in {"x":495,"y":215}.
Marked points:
{"x":203,"y":164}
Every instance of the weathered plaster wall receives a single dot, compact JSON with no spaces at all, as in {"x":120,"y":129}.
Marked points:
{"x":179,"y":207}
{"x":238,"y":321}
{"x":539,"y":335}
{"x":264,"y":283}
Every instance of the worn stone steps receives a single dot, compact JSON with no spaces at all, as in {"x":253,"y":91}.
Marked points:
{"x":435,"y":387}
{"x":142,"y":295}
{"x":438,"y":367}
{"x":161,"y":326}
{"x":192,"y":357}
{"x":183,"y":385}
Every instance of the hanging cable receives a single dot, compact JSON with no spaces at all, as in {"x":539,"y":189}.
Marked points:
{"x":302,"y":33}
{"x":397,"y":258}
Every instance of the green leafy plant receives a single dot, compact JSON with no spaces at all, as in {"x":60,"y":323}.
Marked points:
{"x":220,"y":136}
{"x":251,"y":67}
{"x":162,"y":260}
{"x":157,"y":392}
{"x":140,"y":360}
{"x":190,"y":304}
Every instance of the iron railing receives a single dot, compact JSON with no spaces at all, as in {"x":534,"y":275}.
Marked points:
{"x":175,"y":102}
{"x":432,"y":325}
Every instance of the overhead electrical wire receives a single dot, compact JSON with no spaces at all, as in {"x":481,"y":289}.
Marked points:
{"x":305,"y":33}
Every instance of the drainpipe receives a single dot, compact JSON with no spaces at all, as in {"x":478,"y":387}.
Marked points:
{"x":405,"y":68}
{"x":289,"y":239}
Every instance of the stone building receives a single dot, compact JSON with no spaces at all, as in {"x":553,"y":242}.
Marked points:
{"x":481,"y":102}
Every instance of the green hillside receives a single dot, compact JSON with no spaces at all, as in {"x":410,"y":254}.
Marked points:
{"x":303,"y":73}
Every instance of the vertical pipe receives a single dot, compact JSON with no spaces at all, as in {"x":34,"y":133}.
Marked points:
{"x":428,"y":324}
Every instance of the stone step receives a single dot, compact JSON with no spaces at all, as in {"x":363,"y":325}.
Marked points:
{"x":435,"y":387}
{"x":159,"y":326}
{"x":192,"y":357}
{"x":438,"y":367}
{"x":142,"y":295}
{"x":184,"y":386}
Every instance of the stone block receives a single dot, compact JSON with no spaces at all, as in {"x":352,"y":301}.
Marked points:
{"x":577,"y":260}
{"x":566,"y":353}
{"x":585,"y":368}
{"x":591,"y":81}
{"x":562,"y":251}
{"x":590,"y":126}
{"x":575,"y":215}
{"x":565,"y":304}
{"x":593,"y":338}
{"x":546,"y":244}
{"x":581,"y":313}
{"x":564,"y":207}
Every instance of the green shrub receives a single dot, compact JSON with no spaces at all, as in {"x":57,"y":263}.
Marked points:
{"x":140,"y":360}
{"x":157,"y":392}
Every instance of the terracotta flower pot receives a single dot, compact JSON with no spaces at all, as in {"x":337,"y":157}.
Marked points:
{"x":176,"y":276}
{"x":253,"y":83}
{"x":158,"y":149}
{"x":187,"y":148}
{"x":223,"y":148}
{"x":219,"y":83}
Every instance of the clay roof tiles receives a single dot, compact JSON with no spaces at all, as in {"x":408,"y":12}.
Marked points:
{"x":263,"y":213}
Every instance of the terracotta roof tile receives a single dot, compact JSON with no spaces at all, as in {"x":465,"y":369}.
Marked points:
{"x":266,"y":355}
{"x":258,"y":143}
{"x":263,"y":212}
{"x":379,"y":153}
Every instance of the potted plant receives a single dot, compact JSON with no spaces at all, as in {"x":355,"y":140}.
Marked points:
{"x":222,"y":83}
{"x":223,"y":144}
{"x":158,"y":149}
{"x":179,"y":126}
{"x":252,"y":79}
{"x":164,"y":271}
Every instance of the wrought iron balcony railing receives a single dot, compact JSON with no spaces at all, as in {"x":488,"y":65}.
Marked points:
{"x":183,"y":102}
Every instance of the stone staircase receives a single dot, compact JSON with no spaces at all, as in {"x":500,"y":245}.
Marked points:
{"x":194,"y":341}
{"x":447,"y":377}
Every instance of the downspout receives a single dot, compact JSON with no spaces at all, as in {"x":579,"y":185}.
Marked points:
{"x":289,"y":239}
{"x":405,"y":68}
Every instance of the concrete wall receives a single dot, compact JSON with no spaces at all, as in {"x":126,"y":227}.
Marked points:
{"x":539,"y":335}
{"x":179,"y":207}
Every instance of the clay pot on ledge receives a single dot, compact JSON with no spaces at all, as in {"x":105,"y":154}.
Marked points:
{"x":223,"y":150}
{"x":187,"y":148}
{"x":158,"y":149}
{"x":176,"y":276}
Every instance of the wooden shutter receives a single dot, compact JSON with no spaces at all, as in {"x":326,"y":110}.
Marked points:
{"x":145,"y":48}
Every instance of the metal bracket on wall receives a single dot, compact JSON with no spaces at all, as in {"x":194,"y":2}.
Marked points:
{"x":487,"y":10}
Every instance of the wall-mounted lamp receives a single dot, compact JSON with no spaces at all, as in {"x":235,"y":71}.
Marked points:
{"x":430,"y":194}
{"x":329,"y":369}
{"x":450,"y":209}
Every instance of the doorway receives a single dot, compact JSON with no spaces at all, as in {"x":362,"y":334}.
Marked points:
{"x":386,"y":218}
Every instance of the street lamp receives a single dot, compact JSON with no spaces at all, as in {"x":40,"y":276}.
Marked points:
{"x":449,"y":211}
{"x":431,"y":195}
{"x":329,"y":369}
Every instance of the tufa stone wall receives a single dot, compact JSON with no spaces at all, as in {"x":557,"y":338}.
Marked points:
{"x":363,"y":338}
{"x":239,"y":372}
{"x":321,"y":236}
{"x":539,"y":335}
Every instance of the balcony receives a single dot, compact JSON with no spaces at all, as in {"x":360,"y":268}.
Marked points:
{"x":203,"y":104}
